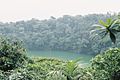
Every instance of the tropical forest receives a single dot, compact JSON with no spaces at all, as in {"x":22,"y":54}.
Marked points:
{"x":67,"y":47}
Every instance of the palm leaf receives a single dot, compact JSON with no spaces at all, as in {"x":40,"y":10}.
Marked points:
{"x":105,"y":34}
{"x":109,"y":20}
{"x":101,"y":32}
{"x":114,"y":31}
{"x":112,"y":25}
{"x":97,"y":26}
{"x":103,"y":23}
{"x":112,"y":37}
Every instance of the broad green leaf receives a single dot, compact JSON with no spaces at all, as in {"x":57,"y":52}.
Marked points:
{"x":109,"y":21}
{"x":103,"y":23}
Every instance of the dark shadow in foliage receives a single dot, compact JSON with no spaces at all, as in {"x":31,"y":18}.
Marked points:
{"x":116,"y":75}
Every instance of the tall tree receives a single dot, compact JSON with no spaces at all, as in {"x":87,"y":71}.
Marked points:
{"x":109,"y":27}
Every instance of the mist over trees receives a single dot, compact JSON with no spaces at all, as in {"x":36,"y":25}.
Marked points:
{"x":69,"y":33}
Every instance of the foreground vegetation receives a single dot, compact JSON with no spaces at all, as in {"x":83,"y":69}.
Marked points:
{"x":15,"y":65}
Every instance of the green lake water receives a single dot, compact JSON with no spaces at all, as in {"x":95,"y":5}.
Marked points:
{"x":62,"y":55}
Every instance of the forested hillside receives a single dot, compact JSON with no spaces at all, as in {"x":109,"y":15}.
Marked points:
{"x":71,"y":33}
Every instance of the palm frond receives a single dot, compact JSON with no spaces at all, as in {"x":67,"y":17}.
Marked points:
{"x":112,"y":25}
{"x":112,"y":37}
{"x":103,"y":23}
{"x":114,"y":31}
{"x":108,"y":21}
{"x":98,"y":26}
{"x":105,"y":34}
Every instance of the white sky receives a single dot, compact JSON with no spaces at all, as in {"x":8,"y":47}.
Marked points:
{"x":15,"y":10}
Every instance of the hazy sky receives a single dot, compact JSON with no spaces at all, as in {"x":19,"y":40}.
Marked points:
{"x":15,"y":10}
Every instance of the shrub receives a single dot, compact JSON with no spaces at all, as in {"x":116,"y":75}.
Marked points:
{"x":42,"y":68}
{"x":86,"y":74}
{"x":2,"y":76}
{"x":12,"y":54}
{"x":37,"y":69}
{"x":106,"y":66}
{"x":56,"y":75}
{"x":24,"y":74}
